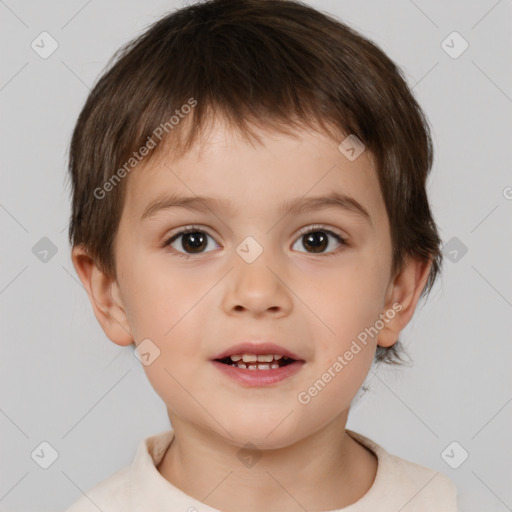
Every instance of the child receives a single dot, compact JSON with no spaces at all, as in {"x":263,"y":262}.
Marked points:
{"x":289,"y":152}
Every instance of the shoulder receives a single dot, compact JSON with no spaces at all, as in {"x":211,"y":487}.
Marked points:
{"x":111,"y":494}
{"x":422,"y":488}
{"x":409,"y":486}
{"x":125,"y":487}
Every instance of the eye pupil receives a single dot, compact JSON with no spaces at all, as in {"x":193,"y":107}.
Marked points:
{"x":317,"y":240}
{"x":195,"y":240}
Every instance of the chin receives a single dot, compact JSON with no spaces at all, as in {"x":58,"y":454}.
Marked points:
{"x":266,"y":432}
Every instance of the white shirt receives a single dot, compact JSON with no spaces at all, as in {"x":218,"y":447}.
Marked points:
{"x":399,"y":485}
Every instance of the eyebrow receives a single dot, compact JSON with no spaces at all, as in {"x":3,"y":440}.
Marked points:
{"x":294,"y":206}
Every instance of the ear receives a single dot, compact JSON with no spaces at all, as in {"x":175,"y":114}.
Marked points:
{"x":105,"y":297}
{"x":401,"y":299}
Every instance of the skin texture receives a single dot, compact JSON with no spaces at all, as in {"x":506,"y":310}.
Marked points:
{"x":314,"y":304}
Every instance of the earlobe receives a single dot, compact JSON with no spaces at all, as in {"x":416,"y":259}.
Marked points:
{"x":402,"y":298}
{"x":106,"y":303}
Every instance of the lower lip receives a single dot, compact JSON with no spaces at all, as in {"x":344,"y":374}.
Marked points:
{"x":259,"y":377}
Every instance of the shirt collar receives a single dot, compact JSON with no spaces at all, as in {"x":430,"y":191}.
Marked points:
{"x":151,"y":491}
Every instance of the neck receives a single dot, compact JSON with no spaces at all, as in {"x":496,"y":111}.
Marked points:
{"x":327,"y":470}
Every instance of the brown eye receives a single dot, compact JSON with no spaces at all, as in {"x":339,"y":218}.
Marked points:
{"x":195,"y":241}
{"x":317,"y":239}
{"x":191,"y":241}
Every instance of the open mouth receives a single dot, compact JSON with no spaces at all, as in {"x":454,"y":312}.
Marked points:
{"x":254,"y":362}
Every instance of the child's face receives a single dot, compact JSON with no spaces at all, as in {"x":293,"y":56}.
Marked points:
{"x":314,"y":304}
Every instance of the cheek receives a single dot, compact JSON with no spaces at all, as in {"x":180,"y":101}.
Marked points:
{"x":166,"y":308}
{"x":332,"y":389}
{"x":160,"y":297}
{"x":173,"y":382}
{"x":349,"y":300}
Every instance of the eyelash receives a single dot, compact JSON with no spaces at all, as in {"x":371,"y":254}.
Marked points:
{"x":302,"y":232}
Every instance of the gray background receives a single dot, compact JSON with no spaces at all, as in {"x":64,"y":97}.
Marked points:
{"x":64,"y":382}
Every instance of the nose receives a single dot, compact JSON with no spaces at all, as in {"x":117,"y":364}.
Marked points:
{"x":258,"y":288}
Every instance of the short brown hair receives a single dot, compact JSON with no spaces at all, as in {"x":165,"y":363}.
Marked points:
{"x":273,"y":63}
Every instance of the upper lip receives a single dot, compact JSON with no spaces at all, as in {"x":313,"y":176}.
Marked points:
{"x":258,"y":348}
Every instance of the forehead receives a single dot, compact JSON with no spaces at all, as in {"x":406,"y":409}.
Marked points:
{"x":251,"y":178}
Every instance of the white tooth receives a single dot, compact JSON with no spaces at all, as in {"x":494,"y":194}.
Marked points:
{"x":277,"y":357}
{"x":241,"y":365}
{"x":265,"y":358}
{"x":236,"y":358}
{"x":249,"y":358}
{"x":252,"y":367}
{"x":274,"y":365}
{"x":263,"y":367}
